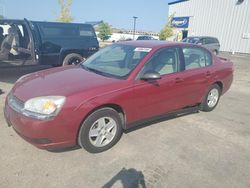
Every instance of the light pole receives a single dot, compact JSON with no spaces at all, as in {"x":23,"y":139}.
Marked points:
{"x":134,"y":26}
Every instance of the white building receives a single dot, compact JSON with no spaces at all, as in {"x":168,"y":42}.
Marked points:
{"x":228,"y":20}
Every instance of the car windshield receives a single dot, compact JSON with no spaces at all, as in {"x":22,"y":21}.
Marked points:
{"x":193,"y":40}
{"x":116,"y":60}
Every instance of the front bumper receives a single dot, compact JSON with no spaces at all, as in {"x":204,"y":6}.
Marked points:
{"x":56,"y":133}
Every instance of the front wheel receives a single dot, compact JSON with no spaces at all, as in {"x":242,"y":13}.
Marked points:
{"x":211,"y":99}
{"x":100,"y":131}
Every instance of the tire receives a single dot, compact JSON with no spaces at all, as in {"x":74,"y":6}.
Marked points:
{"x":98,"y":126}
{"x":211,"y":99}
{"x":71,"y":59}
{"x":215,"y":52}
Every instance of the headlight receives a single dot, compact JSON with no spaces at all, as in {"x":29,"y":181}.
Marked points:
{"x":43,"y":107}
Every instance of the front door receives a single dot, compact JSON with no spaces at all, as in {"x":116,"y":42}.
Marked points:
{"x":152,"y":98}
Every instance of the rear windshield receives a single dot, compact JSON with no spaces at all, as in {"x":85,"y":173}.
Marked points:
{"x":66,"y":30}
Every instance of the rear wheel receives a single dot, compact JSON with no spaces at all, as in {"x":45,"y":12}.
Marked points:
{"x":72,"y":59}
{"x":100,"y":131}
{"x":211,"y":99}
{"x":215,"y":52}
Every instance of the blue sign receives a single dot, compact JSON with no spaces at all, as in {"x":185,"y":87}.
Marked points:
{"x":180,"y":22}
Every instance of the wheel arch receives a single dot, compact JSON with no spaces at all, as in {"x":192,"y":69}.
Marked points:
{"x":220,"y":84}
{"x":65,"y":52}
{"x":116,"y":107}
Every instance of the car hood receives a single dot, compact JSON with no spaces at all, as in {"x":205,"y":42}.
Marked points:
{"x":63,"y":81}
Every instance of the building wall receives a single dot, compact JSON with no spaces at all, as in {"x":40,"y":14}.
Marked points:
{"x":229,"y":22}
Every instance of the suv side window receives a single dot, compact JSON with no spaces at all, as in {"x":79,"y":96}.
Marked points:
{"x":214,"y":40}
{"x":210,"y":41}
{"x":202,"y":41}
{"x":165,"y":61}
{"x":196,"y":58}
{"x":86,"y":31}
{"x":54,"y":30}
{"x":205,"y":41}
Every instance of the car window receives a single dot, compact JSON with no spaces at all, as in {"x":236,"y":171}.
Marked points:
{"x":196,"y":58}
{"x":165,"y":61}
{"x":117,"y":54}
{"x":116,"y":60}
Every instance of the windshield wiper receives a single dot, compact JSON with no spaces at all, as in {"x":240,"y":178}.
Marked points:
{"x":96,"y":71}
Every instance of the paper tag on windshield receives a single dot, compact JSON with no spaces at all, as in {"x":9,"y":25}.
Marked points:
{"x":142,"y":49}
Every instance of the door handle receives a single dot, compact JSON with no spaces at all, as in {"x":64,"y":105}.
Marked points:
{"x":208,"y":74}
{"x":178,"y":80}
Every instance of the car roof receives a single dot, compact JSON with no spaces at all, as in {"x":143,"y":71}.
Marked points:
{"x":201,"y":37}
{"x":154,"y":43}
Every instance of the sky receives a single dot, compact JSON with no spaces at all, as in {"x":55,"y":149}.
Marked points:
{"x":152,"y":14}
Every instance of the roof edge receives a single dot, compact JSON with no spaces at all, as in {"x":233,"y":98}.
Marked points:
{"x":178,"y":1}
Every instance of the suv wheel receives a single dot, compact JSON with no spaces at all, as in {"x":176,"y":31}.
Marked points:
{"x":72,"y":59}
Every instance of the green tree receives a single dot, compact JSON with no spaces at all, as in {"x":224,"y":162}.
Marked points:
{"x":1,"y":17}
{"x":65,"y":15}
{"x":167,"y":31}
{"x":105,"y":31}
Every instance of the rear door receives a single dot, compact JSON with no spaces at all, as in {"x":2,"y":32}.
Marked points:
{"x":197,"y":74}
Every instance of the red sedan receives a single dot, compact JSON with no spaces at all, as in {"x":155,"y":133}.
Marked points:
{"x":92,"y":103}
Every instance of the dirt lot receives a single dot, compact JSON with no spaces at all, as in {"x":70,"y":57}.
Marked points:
{"x":197,"y":150}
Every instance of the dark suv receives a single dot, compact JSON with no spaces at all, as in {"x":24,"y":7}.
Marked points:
{"x":26,"y":42}
{"x":211,"y":43}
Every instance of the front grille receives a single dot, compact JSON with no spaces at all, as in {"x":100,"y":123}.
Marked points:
{"x":15,"y":103}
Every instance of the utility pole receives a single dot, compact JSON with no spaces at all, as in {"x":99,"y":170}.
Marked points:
{"x":134,"y":26}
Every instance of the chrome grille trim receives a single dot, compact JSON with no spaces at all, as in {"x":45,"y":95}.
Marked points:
{"x":15,"y":103}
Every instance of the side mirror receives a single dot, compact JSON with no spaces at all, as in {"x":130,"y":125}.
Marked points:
{"x":151,"y":75}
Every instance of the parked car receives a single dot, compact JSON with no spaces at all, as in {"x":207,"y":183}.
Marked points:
{"x":26,"y":42}
{"x":145,"y":37}
{"x":124,"y":84}
{"x":211,"y":43}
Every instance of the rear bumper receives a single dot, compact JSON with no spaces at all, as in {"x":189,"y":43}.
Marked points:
{"x":47,"y":134}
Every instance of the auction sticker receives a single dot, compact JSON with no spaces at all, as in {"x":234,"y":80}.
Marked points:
{"x":139,"y":49}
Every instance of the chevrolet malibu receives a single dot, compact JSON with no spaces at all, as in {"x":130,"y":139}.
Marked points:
{"x":126,"y":83}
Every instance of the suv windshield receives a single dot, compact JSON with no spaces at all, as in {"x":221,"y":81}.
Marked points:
{"x":115,"y":60}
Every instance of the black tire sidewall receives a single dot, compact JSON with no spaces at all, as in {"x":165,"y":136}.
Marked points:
{"x":204,"y":105}
{"x":70,"y":57}
{"x":83,"y":137}
{"x":216,"y":52}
